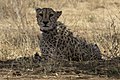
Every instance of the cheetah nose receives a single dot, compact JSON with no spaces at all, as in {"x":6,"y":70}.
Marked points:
{"x":45,"y":22}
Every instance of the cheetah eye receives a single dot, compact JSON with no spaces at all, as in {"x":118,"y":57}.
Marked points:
{"x":41,"y":15}
{"x":51,"y":15}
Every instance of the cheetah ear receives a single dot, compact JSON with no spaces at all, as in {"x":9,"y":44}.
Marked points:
{"x":58,"y":13}
{"x":38,"y":9}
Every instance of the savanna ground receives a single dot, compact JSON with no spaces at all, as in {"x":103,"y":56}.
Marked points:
{"x":98,"y":21}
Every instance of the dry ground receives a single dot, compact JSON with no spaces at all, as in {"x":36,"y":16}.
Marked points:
{"x":96,"y":20}
{"x":29,"y":68}
{"x":53,"y":77}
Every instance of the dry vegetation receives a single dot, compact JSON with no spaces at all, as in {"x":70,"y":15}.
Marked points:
{"x":96,"y":20}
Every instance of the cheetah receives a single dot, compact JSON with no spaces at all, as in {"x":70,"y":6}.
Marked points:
{"x":58,"y":43}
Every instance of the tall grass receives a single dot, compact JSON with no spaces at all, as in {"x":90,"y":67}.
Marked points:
{"x":96,"y":20}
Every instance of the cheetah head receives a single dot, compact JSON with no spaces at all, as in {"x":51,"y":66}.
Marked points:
{"x":47,"y":18}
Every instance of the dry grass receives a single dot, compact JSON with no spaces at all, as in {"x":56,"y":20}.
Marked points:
{"x":96,"y":20}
